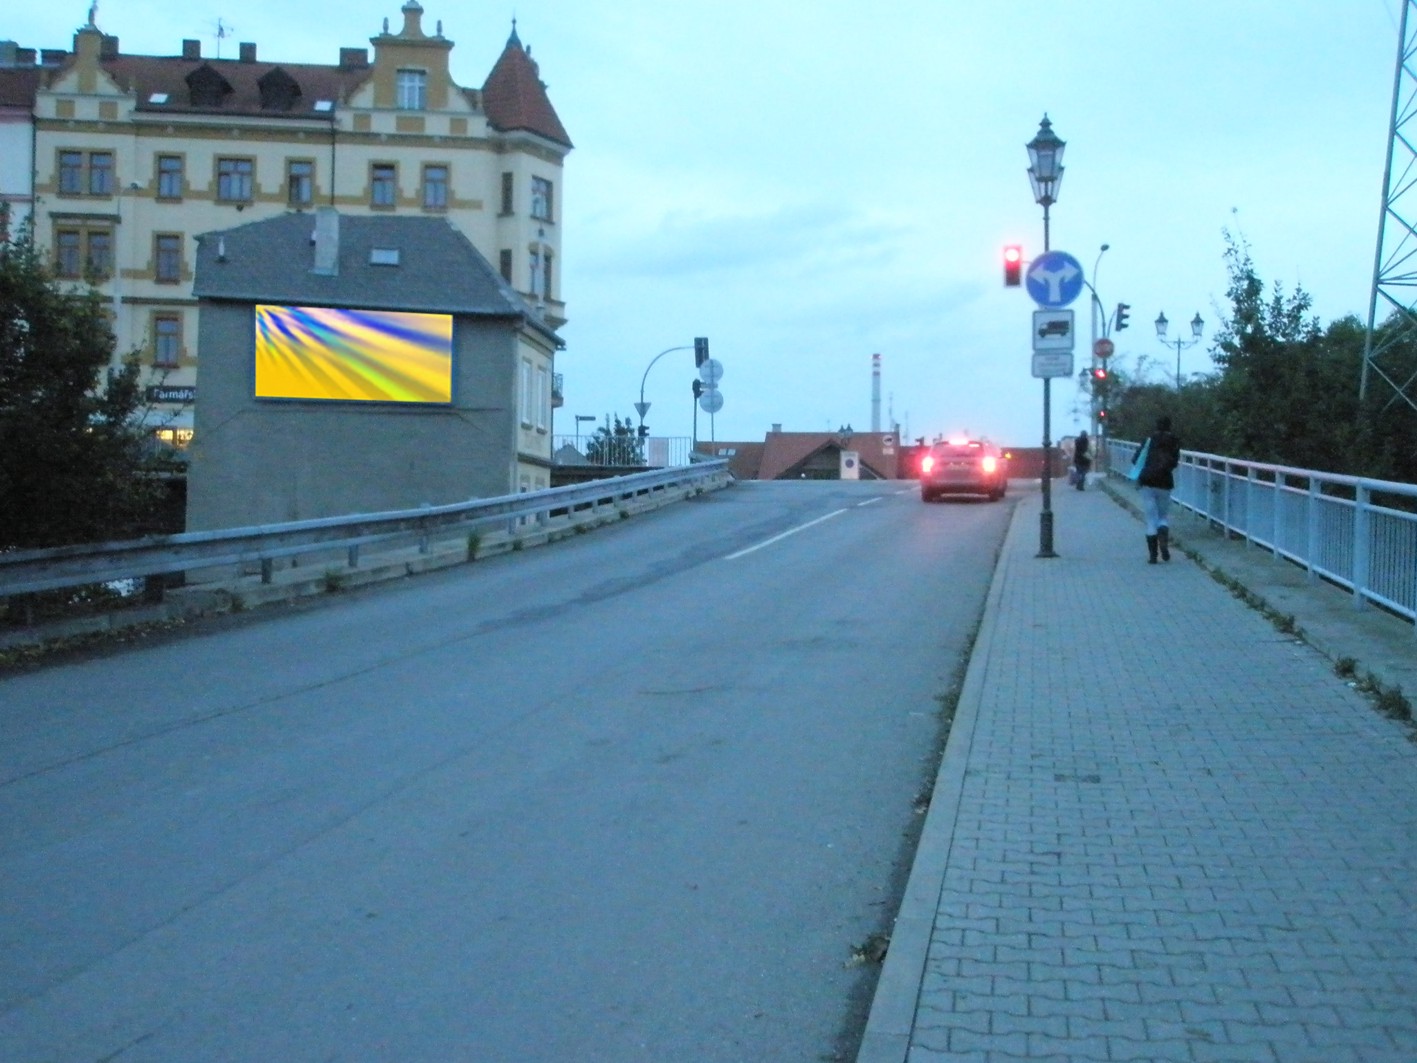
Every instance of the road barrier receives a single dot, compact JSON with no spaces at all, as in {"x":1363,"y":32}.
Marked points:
{"x":25,"y":572}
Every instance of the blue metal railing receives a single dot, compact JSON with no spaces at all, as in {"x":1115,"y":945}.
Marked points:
{"x":1329,"y":525}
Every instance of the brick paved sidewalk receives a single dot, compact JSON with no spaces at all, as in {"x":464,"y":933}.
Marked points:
{"x":1162,"y":831}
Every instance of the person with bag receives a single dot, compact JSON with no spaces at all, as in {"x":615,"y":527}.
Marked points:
{"x":1156,"y":461}
{"x":1082,"y":459}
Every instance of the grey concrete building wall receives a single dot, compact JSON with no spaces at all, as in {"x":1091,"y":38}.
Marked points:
{"x":264,"y":461}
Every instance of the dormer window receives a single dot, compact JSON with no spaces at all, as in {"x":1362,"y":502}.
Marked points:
{"x":279,"y":90}
{"x":208,"y":88}
{"x":412,"y":86}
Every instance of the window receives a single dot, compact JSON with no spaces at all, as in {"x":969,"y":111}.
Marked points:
{"x":543,"y":397}
{"x":167,"y":340}
{"x":300,"y":182}
{"x":540,"y":272}
{"x":506,"y":193}
{"x":168,"y":248}
{"x":233,"y":180}
{"x":541,"y":199}
{"x":412,"y":86}
{"x":67,"y":259}
{"x":169,"y":177}
{"x":505,"y":264}
{"x":71,"y":173}
{"x":383,"y":183}
{"x":435,"y":188}
{"x":99,"y":261}
{"x":526,"y":393}
{"x":101,"y":173}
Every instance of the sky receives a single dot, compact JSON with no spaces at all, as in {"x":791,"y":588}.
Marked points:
{"x":811,"y":184}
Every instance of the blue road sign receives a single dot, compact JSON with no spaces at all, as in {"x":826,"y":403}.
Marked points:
{"x":1054,"y":279}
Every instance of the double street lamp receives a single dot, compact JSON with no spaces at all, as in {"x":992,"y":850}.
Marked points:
{"x":1045,"y":173}
{"x":1180,"y":343}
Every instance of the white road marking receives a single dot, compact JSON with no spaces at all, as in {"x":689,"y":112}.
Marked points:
{"x":783,"y":535}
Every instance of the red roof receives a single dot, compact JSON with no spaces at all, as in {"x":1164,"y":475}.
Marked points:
{"x":18,"y":86}
{"x":514,"y":96}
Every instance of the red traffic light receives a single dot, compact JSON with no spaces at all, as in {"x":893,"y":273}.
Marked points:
{"x":1099,"y":373}
{"x":1013,"y":266}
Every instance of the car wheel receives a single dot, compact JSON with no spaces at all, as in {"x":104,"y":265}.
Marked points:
{"x":926,"y":496}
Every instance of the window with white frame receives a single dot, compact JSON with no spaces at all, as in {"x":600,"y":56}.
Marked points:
{"x":412,"y":90}
{"x":543,"y":397}
{"x":541,"y":199}
{"x":527,"y":399}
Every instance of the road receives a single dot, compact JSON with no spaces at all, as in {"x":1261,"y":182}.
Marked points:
{"x":633,"y":796}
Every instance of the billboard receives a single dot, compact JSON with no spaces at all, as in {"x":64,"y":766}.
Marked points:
{"x":314,"y":352}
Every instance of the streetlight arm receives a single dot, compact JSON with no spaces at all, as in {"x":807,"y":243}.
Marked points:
{"x":656,"y":358}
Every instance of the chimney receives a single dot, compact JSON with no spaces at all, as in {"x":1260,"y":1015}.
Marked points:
{"x":777,"y":427}
{"x":109,"y":48}
{"x":875,"y":392}
{"x":248,"y":52}
{"x":353,"y":58}
{"x":191,"y":49}
{"x":326,"y":240}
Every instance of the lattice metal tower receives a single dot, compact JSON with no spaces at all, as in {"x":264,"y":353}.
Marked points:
{"x":1395,"y":262}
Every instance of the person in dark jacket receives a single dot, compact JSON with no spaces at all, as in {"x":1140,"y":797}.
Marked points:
{"x":1082,"y":458}
{"x":1156,"y":483}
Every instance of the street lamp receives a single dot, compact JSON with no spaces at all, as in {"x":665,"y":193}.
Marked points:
{"x":1197,"y":327}
{"x":1045,"y":173}
{"x":580,"y":419}
{"x":642,"y":407}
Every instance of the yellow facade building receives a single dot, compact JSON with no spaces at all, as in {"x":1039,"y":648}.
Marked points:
{"x":136,"y":156}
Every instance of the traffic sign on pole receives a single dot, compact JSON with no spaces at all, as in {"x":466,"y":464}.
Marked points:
{"x":1103,"y":348}
{"x":1054,"y":280}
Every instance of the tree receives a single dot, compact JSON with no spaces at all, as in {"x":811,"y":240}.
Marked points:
{"x":615,"y":446}
{"x":72,"y":455}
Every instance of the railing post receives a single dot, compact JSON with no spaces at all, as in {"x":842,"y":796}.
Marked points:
{"x":1361,"y":558}
{"x":1276,"y":514}
{"x":267,"y":569}
{"x":352,"y":556}
{"x":423,"y":524}
{"x":1312,"y":549}
{"x":1249,"y":505}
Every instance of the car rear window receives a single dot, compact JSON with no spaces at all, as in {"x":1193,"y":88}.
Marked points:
{"x":958,"y":450}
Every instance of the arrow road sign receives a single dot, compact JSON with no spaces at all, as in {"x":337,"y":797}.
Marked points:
{"x":1054,"y":280}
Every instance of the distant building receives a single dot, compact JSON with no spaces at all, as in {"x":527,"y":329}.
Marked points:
{"x":356,"y":364}
{"x":811,"y":455}
{"x":135,"y":155}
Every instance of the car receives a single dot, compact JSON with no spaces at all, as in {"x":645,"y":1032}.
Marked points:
{"x":964,"y":466}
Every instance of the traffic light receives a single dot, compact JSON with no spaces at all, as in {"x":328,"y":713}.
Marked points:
{"x":1013,"y":266}
{"x":1121,"y":322}
{"x":1099,"y":374}
{"x":701,"y":354}
{"x":698,"y":388}
{"x":644,"y":431}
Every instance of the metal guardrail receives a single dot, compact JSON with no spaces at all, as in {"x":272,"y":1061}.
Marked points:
{"x":30,"y":571}
{"x":1326,"y":523}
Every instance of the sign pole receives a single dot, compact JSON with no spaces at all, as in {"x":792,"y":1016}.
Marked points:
{"x":1045,"y":518}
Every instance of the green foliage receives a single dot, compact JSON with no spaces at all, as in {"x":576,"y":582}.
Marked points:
{"x":619,"y":445}
{"x":1285,"y":389}
{"x":71,"y":457}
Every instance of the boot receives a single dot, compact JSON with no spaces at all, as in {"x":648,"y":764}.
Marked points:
{"x":1163,"y":539}
{"x":1151,"y":549}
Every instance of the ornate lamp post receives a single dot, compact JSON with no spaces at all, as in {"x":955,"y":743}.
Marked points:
{"x":1045,"y":173}
{"x":1181,"y":344}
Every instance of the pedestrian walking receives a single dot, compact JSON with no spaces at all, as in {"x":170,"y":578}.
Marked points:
{"x":1162,"y":453}
{"x":1082,"y":458}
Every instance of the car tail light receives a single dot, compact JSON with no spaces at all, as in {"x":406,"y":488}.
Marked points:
{"x":990,"y":463}
{"x":927,"y":463}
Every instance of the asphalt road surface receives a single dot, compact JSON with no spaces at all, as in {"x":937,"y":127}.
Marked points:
{"x":635,"y":796}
